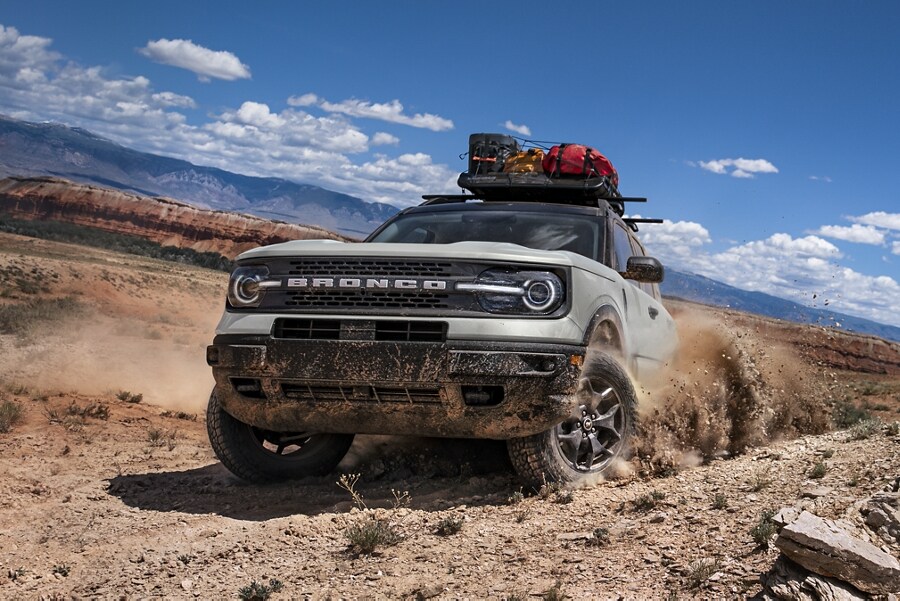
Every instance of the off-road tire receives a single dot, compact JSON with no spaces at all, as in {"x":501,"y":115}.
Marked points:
{"x":540,"y":459}
{"x":240,"y":448}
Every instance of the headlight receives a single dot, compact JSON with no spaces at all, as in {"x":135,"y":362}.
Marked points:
{"x":244,"y":289}
{"x":524,"y":292}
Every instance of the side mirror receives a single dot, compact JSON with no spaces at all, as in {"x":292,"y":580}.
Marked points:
{"x":644,"y":269}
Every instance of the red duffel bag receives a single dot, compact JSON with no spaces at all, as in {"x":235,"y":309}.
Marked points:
{"x":577,"y":160}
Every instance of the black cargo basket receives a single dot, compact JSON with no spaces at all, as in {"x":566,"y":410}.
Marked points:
{"x":537,"y":186}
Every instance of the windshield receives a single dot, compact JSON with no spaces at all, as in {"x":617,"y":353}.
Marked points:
{"x":542,"y":231}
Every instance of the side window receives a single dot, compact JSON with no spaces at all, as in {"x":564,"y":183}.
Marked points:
{"x":622,"y":243}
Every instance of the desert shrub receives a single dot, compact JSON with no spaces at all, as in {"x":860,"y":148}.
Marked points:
{"x":564,"y":497}
{"x":162,"y":438}
{"x":91,"y":410}
{"x":22,"y":318}
{"x":10,"y":415}
{"x":845,"y":414}
{"x":764,"y":528}
{"x":515,"y":498}
{"x":370,"y":533}
{"x":720,"y":501}
{"x":449,"y":525}
{"x":124,"y":395}
{"x":257,"y":591}
{"x":818,"y":471}
{"x":759,"y":480}
{"x":649,"y":501}
{"x":865,"y":429}
{"x":700,"y":570}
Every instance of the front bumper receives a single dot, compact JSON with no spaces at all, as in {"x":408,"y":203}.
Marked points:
{"x":453,"y":389}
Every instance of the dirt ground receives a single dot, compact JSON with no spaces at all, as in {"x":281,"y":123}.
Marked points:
{"x":104,"y":497}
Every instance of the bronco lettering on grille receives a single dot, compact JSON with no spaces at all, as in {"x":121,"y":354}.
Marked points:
{"x":370,"y":283}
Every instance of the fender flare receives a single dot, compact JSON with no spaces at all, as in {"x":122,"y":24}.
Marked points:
{"x":606,"y":328}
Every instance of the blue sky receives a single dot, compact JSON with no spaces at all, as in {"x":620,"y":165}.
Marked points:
{"x":767,"y":134}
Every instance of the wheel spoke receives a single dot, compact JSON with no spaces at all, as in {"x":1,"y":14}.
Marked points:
{"x":598,"y":449}
{"x":572,"y":443}
{"x":607,"y":421}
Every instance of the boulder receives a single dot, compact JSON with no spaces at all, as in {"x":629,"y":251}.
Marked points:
{"x":824,"y":548}
{"x":882,"y":512}
{"x":788,"y":581}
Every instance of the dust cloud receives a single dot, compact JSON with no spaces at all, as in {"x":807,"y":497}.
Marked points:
{"x":105,"y":354}
{"x":729,"y":389}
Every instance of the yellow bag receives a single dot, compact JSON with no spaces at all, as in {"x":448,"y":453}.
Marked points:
{"x":526,"y":161}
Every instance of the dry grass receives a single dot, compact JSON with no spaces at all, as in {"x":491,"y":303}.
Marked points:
{"x":23,"y":319}
{"x":10,"y":414}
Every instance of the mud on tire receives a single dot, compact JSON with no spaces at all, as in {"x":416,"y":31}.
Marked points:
{"x":585,"y":445}
{"x":258,"y":455}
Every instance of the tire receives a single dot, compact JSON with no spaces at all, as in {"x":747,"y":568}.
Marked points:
{"x":257,"y":455}
{"x":582,"y":447}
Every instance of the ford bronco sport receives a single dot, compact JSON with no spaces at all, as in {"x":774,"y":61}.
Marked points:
{"x":518,"y":321}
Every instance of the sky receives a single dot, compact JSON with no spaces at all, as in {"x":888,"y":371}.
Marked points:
{"x":766,"y":134}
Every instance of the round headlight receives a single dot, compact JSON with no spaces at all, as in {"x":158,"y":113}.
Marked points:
{"x":540,"y":295}
{"x":517,"y":292}
{"x":244,"y":289}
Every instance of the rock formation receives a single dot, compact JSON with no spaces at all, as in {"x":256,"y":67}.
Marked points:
{"x":162,"y":220}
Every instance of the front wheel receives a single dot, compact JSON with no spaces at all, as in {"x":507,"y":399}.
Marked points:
{"x":583,"y":446}
{"x":258,"y":455}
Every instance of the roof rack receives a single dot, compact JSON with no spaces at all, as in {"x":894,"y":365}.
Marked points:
{"x":633,"y":221}
{"x":438,"y":199}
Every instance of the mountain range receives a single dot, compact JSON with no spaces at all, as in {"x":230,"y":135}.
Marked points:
{"x":700,"y":289}
{"x":50,"y":149}
{"x":55,"y":150}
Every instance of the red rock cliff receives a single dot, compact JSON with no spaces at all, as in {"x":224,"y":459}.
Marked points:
{"x":162,"y":220}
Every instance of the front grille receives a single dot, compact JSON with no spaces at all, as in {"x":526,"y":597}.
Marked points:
{"x":369,"y":268}
{"x":411,"y":331}
{"x":295,"y":328}
{"x":363,"y":299}
{"x":307,"y":329}
{"x":361,"y":394}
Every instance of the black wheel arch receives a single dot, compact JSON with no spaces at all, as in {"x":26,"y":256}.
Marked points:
{"x":605,"y":330}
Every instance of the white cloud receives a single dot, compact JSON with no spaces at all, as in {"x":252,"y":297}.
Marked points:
{"x":783,"y":266}
{"x":28,"y":55}
{"x":523,"y":130}
{"x":674,"y":239}
{"x":384,"y":139}
{"x":172,"y":99}
{"x":895,"y":247}
{"x":742,"y":168}
{"x":206,"y":63}
{"x":863,"y":234}
{"x":304,"y":100}
{"x":392,"y":111}
{"x":889,"y":221}
{"x":822,"y":178}
{"x":253,"y":138}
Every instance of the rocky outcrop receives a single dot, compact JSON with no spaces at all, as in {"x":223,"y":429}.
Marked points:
{"x":825,"y":548}
{"x":882,"y":513}
{"x":162,"y":220}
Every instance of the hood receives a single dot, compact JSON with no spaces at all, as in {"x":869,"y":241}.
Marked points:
{"x":475,"y":251}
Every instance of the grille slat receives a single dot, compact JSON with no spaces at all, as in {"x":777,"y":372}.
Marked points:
{"x":291,"y":328}
{"x":411,"y":331}
{"x":307,"y":329}
{"x":394,"y":299}
{"x":369,"y":268}
{"x":361,"y":394}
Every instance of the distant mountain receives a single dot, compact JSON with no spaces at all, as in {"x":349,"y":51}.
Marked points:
{"x":692,"y":287}
{"x":50,"y":149}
